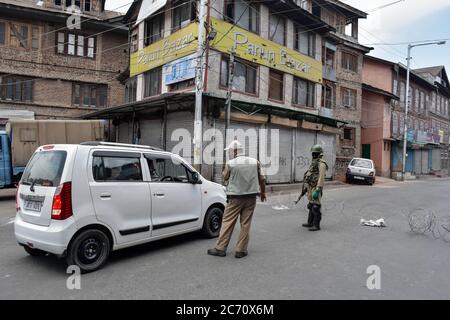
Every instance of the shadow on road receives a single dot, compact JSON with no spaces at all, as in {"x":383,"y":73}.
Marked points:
{"x":154,"y":247}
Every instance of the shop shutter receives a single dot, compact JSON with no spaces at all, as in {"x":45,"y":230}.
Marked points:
{"x":181,"y":120}
{"x":425,"y":162}
{"x":124,"y":132}
{"x":151,"y":133}
{"x":284,"y":161}
{"x":436,"y":159}
{"x":304,"y":140}
{"x":328,"y":143}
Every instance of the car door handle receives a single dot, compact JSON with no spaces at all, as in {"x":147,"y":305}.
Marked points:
{"x":105,"y":196}
{"x":159,"y":195}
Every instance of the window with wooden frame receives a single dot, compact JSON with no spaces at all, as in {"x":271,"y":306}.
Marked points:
{"x":85,"y":5}
{"x":276,"y":85}
{"x":131,"y":90}
{"x":89,"y":95}
{"x":182,"y":85}
{"x":2,"y":33}
{"x":154,"y":28}
{"x":303,"y":92}
{"x":244,"y":14}
{"x":349,"y":61}
{"x":152,"y":82}
{"x":244,"y":78}
{"x":328,"y":96}
{"x":73,"y":44}
{"x":304,"y":41}
{"x":328,"y":58}
{"x":348,"y":98}
{"x":183,"y":12}
{"x":16,"y":88}
{"x":348,"y":138}
{"x":277,"y":29}
{"x":18,"y":35}
{"x":421,"y":101}
{"x":134,"y":44}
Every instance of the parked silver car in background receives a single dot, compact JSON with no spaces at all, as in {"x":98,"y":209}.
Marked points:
{"x":362,"y":170}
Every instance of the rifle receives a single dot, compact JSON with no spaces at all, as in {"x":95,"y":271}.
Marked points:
{"x":304,"y":190}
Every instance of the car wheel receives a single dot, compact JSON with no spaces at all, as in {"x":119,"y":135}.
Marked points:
{"x":212,"y":222}
{"x":34,"y":252}
{"x":89,"y":250}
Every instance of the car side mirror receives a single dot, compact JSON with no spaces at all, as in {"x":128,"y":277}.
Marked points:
{"x":196,"y":178}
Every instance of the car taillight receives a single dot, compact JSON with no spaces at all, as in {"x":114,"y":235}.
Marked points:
{"x":17,"y":200}
{"x":62,"y":202}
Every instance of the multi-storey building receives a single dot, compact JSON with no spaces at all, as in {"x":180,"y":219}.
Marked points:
{"x":52,"y":66}
{"x":277,"y":48}
{"x":428,"y":118}
{"x":342,"y":57}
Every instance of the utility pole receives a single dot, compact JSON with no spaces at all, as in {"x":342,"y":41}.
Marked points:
{"x":229,"y":94}
{"x":408,"y":71}
{"x":198,"y":124}
{"x":405,"y":129}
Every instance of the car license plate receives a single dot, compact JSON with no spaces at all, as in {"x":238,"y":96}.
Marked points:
{"x":359,"y":178}
{"x":33,"y":205}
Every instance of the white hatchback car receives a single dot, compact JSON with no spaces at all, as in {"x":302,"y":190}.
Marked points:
{"x":362,"y":170}
{"x":83,"y":201}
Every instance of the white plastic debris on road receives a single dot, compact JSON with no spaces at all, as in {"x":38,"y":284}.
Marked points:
{"x":374,"y":223}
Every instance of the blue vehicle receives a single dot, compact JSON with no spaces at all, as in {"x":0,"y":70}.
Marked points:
{"x":6,"y":173}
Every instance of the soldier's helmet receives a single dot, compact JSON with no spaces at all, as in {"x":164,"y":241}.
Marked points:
{"x":317,"y":149}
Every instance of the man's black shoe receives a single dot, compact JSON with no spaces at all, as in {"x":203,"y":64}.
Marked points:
{"x":306,"y":225}
{"x":314,"y":228}
{"x":239,"y":255}
{"x":217,"y":253}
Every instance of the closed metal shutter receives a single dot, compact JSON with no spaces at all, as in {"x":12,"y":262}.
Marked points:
{"x":425,"y":162}
{"x":124,"y":132}
{"x":304,"y":140}
{"x":418,"y":161}
{"x":328,"y":143}
{"x":436,"y":159}
{"x":246,"y":134}
{"x":181,"y":120}
{"x":284,"y":161}
{"x":151,"y":132}
{"x":241,"y":133}
{"x":213,"y":149}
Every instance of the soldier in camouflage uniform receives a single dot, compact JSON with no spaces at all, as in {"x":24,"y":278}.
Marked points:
{"x":315,"y":178}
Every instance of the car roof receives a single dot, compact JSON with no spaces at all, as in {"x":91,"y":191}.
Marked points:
{"x":362,"y":159}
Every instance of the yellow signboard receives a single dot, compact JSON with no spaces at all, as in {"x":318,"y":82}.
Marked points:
{"x":177,"y":45}
{"x":251,"y":47}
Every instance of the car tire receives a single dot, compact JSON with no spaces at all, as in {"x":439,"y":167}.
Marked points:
{"x":89,"y":250}
{"x":212,"y":222}
{"x":34,"y":252}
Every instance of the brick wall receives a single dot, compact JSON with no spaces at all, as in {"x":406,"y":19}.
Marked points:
{"x":56,"y":73}
{"x":350,"y":80}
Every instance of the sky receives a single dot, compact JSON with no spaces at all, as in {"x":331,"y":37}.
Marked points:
{"x":394,"y":26}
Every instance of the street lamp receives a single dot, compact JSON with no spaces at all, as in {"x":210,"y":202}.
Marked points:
{"x":408,"y":70}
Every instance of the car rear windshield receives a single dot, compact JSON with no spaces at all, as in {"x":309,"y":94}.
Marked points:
{"x":45,"y":169}
{"x":361,"y":163}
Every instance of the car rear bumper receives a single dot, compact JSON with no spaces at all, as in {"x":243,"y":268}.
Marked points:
{"x":360,"y":178}
{"x":53,"y":239}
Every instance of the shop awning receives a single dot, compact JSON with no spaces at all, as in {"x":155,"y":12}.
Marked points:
{"x":185,"y":100}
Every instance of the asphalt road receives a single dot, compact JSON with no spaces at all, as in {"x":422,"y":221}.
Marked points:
{"x":285,"y":261}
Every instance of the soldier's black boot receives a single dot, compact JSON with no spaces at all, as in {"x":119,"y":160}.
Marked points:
{"x":317,"y":216}
{"x":310,"y":218}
